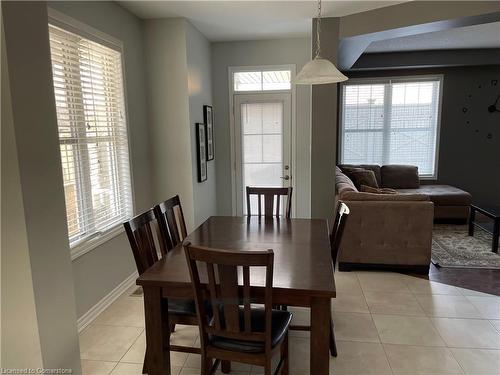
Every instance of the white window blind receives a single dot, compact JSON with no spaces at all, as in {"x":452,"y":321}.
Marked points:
{"x":394,"y":121}
{"x":89,"y":95}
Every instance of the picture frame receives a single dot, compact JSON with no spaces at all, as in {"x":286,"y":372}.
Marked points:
{"x":208,"y":118}
{"x":201,"y":148}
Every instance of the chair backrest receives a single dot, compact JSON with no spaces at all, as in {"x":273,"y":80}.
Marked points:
{"x":271,"y":195}
{"x":341,"y":216}
{"x":171,"y":221}
{"x":140,"y":231}
{"x":218,"y":269}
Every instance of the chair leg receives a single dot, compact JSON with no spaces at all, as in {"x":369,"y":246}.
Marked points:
{"x":225,"y":367}
{"x":268,"y":368}
{"x":145,"y":364}
{"x":172,"y":327}
{"x":284,"y":356}
{"x":206,"y":365}
{"x":333,"y":345}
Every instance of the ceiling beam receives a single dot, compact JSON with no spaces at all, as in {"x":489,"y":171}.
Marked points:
{"x":353,"y":46}
{"x":427,"y":59}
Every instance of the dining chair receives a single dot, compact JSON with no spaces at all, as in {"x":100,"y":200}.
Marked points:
{"x":149,"y":244}
{"x":271,"y":195}
{"x":341,"y":215}
{"x":238,"y":331}
{"x":171,"y":221}
{"x":170,"y":218}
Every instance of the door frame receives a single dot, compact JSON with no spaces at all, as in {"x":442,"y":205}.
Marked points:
{"x":232,"y":123}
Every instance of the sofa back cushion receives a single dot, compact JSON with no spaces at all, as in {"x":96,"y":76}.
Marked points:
{"x":371,"y":167}
{"x":400,"y":176}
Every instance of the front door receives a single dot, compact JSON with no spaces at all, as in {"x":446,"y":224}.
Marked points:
{"x":262,"y":143}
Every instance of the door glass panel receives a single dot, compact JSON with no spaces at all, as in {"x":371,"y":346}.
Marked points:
{"x":262,"y":128}
{"x":271,"y":148}
{"x":253,"y":148}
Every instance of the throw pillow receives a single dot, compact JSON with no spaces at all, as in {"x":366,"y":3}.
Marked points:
{"x":349,"y":170}
{"x":364,"y":177}
{"x":369,"y":189}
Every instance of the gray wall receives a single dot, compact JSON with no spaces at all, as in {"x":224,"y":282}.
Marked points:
{"x":200,"y":94}
{"x":20,"y":341}
{"x":255,"y":53}
{"x":40,"y":176}
{"x":467,"y":157}
{"x":165,"y":43}
{"x":102,"y":269}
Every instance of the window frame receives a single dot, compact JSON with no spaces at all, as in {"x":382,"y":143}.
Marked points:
{"x":395,"y":79}
{"x":61,"y":20}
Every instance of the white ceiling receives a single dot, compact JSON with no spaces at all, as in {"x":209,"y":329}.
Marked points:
{"x":470,"y":37}
{"x":249,"y":20}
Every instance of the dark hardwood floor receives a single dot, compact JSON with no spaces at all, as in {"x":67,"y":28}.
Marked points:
{"x":481,"y":280}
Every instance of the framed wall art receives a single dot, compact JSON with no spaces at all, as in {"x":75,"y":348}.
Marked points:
{"x":201,"y":148}
{"x":208,"y":117}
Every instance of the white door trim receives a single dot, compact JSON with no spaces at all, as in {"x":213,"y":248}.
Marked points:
{"x":231,"y":70}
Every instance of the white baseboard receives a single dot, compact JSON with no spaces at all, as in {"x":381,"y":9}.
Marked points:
{"x":111,"y":297}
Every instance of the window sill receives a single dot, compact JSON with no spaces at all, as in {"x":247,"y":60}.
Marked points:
{"x":90,"y":244}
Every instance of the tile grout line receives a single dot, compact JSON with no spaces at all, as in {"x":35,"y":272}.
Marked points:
{"x":136,"y":339}
{"x":130,"y":347}
{"x":378,"y":334}
{"x":456,"y":360}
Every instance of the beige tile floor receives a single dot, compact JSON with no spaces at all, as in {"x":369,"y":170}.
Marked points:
{"x":386,"y":324}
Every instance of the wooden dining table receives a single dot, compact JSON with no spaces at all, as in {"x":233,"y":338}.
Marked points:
{"x":303,"y":276}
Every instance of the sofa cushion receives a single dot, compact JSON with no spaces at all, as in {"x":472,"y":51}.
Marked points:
{"x":369,"y":189}
{"x":358,"y":196}
{"x":371,"y":167}
{"x":343,"y":183}
{"x":363,"y":177}
{"x":400,"y":176}
{"x":442,"y":195}
{"x":350,"y":170}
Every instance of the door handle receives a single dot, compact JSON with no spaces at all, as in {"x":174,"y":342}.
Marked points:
{"x":286,"y":177}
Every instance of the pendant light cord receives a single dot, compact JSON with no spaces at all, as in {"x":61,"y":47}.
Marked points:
{"x":318,"y":30}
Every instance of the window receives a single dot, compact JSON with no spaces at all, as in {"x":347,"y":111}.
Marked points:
{"x":262,"y":80}
{"x":89,"y":96}
{"x":392,"y":121}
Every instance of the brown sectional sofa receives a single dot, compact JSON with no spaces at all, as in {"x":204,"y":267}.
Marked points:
{"x":450,"y":203}
{"x":385,"y":230}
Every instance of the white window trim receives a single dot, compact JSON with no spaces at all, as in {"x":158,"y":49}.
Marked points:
{"x":292,"y":90}
{"x":383,"y":80}
{"x":70,"y":24}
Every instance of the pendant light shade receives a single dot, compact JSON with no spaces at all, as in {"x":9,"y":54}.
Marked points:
{"x":319,"y":70}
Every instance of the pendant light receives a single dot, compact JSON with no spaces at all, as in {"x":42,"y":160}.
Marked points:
{"x":319,"y":70}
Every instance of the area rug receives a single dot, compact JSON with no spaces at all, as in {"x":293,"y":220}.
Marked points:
{"x":453,"y":247}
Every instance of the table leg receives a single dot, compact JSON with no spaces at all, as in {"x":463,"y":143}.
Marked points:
{"x":320,"y":335}
{"x":496,"y":233}
{"x":157,"y":332}
{"x":471,"y":221}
